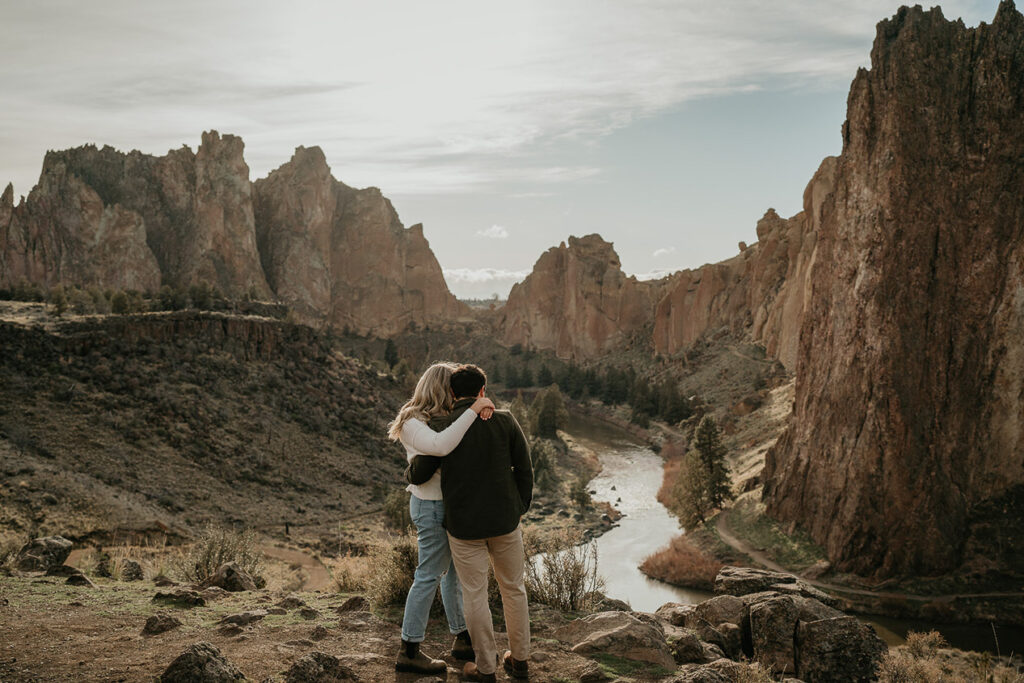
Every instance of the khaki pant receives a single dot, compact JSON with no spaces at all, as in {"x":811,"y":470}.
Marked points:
{"x":508,"y":559}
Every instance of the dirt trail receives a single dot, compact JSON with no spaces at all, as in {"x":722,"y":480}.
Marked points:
{"x":729,"y":539}
{"x":318,"y":578}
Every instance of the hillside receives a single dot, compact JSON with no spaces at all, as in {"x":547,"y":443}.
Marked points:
{"x":165,"y":421}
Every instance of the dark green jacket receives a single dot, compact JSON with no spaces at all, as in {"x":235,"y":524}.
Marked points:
{"x":487,"y":481}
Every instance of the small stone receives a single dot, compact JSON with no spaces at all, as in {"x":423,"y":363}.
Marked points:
{"x":131,"y":571}
{"x":291,"y":602}
{"x":63,"y":570}
{"x":308,"y":613}
{"x":181,"y":598}
{"x":244,"y":618}
{"x":159,"y":623}
{"x":277,"y":610}
{"x":232,"y":578}
{"x":201,"y":663}
{"x":319,"y":667}
{"x":320,"y":632}
{"x":80,"y":580}
{"x":163,"y":582}
{"x":357,"y":603}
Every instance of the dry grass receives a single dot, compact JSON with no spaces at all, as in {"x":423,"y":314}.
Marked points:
{"x":217,"y":546}
{"x":562,"y":572}
{"x":924,"y":659}
{"x":755,"y":673}
{"x":393,"y":566}
{"x":351,"y":573}
{"x":683,"y":564}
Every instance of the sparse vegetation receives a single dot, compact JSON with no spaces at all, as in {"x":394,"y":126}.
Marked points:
{"x":921,"y":660}
{"x":394,"y":566}
{"x":560,"y":571}
{"x":396,"y":511}
{"x":548,"y":413}
{"x":683,"y":564}
{"x":217,"y":546}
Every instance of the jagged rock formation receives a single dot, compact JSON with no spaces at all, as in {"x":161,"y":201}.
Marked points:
{"x":577,"y":301}
{"x":909,"y":410}
{"x":330,"y":249}
{"x":135,"y":221}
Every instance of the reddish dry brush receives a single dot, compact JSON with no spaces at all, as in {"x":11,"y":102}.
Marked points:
{"x":672,"y":453}
{"x":683,"y":564}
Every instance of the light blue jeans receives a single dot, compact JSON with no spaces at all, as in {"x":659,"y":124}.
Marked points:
{"x":435,"y":565}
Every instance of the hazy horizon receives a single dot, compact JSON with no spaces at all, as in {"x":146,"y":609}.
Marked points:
{"x":667,"y":127}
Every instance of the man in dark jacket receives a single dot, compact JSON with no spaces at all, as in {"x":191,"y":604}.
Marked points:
{"x":487,"y":485}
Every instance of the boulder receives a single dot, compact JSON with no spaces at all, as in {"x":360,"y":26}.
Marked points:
{"x":318,"y":667}
{"x":686,"y":647}
{"x":702,"y":675}
{"x":308,"y":613}
{"x":131,"y":571}
{"x":744,"y":580}
{"x":201,"y":663}
{"x":232,"y":578}
{"x":674,"y":613}
{"x":159,"y":623}
{"x":837,"y":650}
{"x":291,"y":602}
{"x":722,"y":609}
{"x":617,"y":633}
{"x":772,"y":624}
{"x":732,"y":639}
{"x":43,"y":554}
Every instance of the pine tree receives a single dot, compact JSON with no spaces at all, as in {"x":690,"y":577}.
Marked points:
{"x":548,"y":413}
{"x":690,"y":491}
{"x":707,"y":444}
{"x":59,"y":300}
{"x":526,"y":378}
{"x":544,"y":376}
{"x":521,"y":413}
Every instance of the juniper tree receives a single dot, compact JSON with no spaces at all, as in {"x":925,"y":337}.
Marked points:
{"x":707,"y":444}
{"x":548,"y":413}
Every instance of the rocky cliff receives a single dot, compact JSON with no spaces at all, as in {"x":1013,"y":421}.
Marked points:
{"x":102,"y":217}
{"x":330,"y":249}
{"x":909,"y":410}
{"x":577,"y":301}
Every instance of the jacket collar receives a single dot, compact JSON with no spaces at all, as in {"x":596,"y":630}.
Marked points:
{"x":464,"y":402}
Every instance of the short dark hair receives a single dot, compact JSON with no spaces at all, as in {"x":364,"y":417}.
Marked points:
{"x":468,"y":380}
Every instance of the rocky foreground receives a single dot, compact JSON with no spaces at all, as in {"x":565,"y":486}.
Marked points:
{"x":60,"y":624}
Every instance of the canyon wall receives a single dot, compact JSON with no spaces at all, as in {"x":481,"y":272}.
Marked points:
{"x":909,"y":409}
{"x":577,"y":302}
{"x":135,"y":221}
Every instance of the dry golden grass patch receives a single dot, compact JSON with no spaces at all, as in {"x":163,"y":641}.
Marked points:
{"x":683,"y":564}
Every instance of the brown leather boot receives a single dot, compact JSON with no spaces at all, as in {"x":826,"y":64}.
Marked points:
{"x":471,"y":673}
{"x":516,"y":668}
{"x":411,"y":660}
{"x":462,"y":647}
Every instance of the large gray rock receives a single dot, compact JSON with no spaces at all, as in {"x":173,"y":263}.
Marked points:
{"x":772,"y":625}
{"x":201,"y":663}
{"x":43,"y":554}
{"x":617,"y":633}
{"x":317,"y":667}
{"x":244,"y":618}
{"x":131,"y":571}
{"x":232,"y":578}
{"x":160,"y":623}
{"x":837,"y":650}
{"x":686,"y":647}
{"x":744,"y":580}
{"x":722,"y":609}
{"x":674,"y":613}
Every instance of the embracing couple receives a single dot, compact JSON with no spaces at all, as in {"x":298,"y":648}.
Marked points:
{"x":471,"y":480}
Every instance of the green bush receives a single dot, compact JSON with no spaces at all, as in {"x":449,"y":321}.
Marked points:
{"x":394,"y":567}
{"x":561,"y":572}
{"x":396,"y":511}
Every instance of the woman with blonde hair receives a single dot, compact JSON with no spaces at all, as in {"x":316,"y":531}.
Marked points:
{"x":431,"y":398}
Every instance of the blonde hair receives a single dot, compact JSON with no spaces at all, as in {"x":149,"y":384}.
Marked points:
{"x":432,"y":397}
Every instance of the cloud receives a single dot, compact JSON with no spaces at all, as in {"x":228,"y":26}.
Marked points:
{"x":482,"y":275}
{"x":495,"y":232}
{"x":663,"y":251}
{"x":450,"y":102}
{"x":655,"y":274}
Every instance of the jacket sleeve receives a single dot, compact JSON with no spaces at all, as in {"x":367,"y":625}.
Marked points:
{"x":421,"y":469}
{"x":419,"y":438}
{"x":522,"y":467}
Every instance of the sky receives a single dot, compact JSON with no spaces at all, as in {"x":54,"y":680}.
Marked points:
{"x":666,"y":126}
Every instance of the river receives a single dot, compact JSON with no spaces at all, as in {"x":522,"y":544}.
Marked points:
{"x":630,"y":478}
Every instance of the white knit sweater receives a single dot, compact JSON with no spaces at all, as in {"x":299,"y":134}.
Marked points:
{"x":419,"y":439}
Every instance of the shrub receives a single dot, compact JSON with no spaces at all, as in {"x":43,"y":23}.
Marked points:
{"x":561,"y":572}
{"x":578,"y":493}
{"x":683,"y":564}
{"x":352,"y":573}
{"x":543,"y":453}
{"x":396,"y":511}
{"x":925,"y":644}
{"x":548,"y":413}
{"x":899,"y":666}
{"x":216,"y":546}
{"x":394,"y":566}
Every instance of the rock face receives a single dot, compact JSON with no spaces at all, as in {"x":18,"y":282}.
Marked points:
{"x":577,"y":301}
{"x":135,"y":221}
{"x":329,"y":249}
{"x":909,"y":409}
